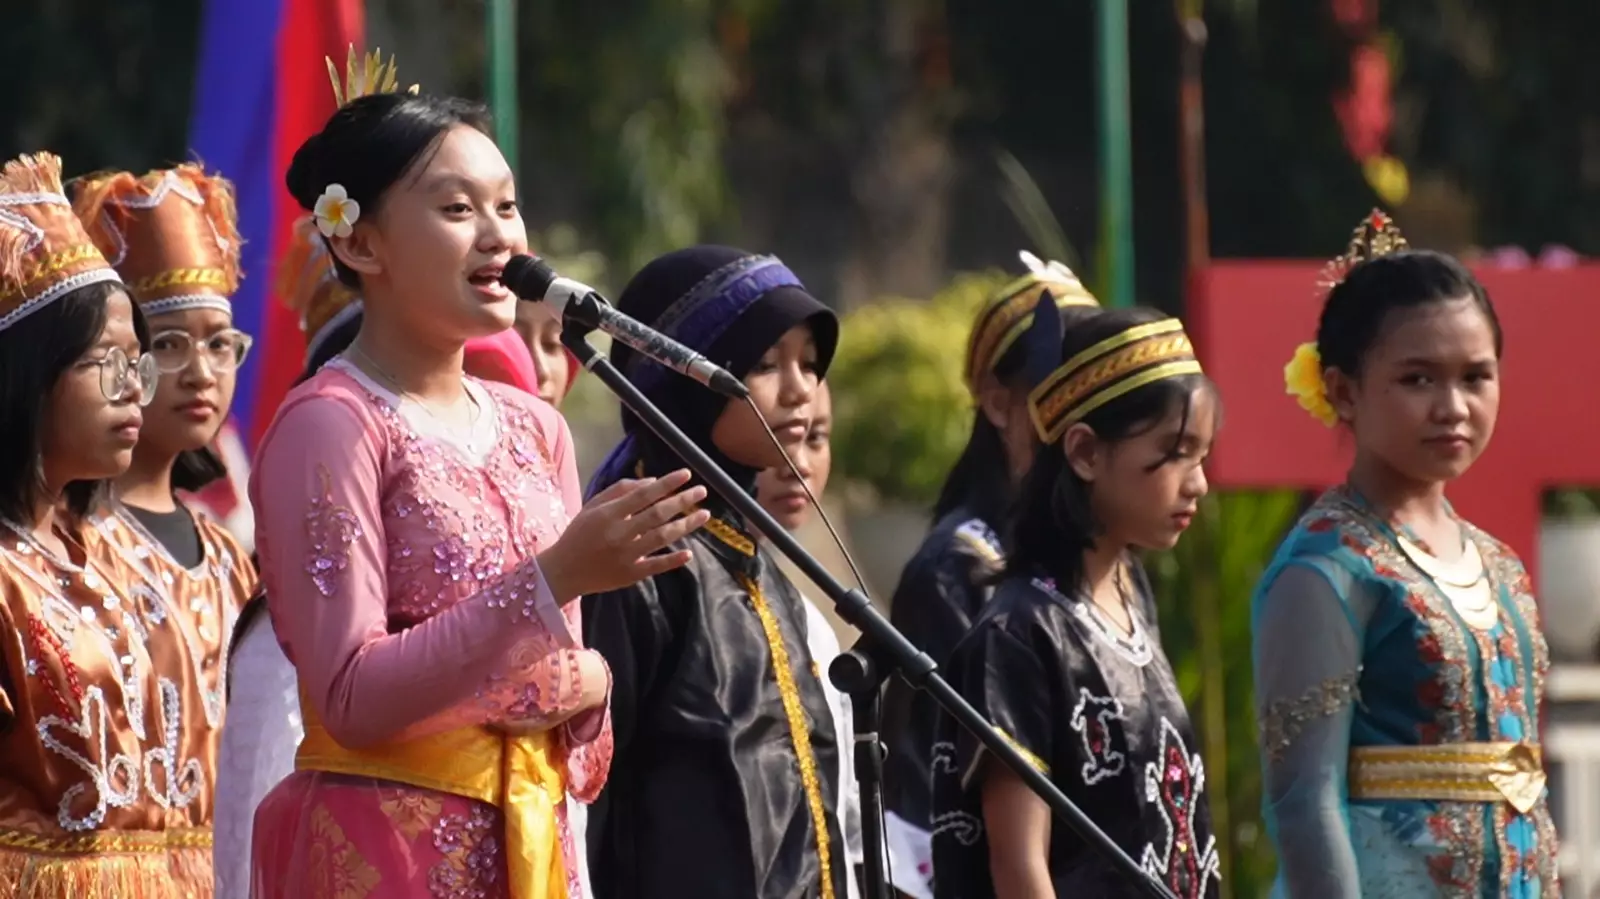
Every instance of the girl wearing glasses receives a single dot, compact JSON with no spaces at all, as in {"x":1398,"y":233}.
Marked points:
{"x":171,"y":236}
{"x":101,"y":780}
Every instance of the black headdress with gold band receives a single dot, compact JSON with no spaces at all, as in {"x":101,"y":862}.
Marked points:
{"x":1006,"y":315}
{"x":1118,"y":365}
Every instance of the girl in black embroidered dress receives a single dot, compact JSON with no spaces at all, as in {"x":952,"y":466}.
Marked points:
{"x":949,"y":577}
{"x":1065,"y":659}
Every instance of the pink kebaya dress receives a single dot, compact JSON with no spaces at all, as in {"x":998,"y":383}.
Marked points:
{"x":398,"y":560}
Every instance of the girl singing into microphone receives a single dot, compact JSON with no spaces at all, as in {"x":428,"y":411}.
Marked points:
{"x":422,"y":544}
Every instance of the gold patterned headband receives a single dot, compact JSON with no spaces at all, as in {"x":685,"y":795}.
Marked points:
{"x":1007,"y":314}
{"x":1118,"y":365}
{"x":1376,"y":235}
{"x":374,"y":77}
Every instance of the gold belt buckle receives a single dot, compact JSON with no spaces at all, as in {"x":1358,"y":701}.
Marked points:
{"x":1519,"y":777}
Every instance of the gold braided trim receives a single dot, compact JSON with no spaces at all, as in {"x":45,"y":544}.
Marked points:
{"x":107,"y":841}
{"x":1108,"y":370}
{"x":52,"y":266}
{"x":182,"y":277}
{"x":1037,"y":763}
{"x":799,"y":728}
{"x":1455,"y":772}
{"x":1002,"y":323}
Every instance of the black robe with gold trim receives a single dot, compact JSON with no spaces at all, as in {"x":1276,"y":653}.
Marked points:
{"x":726,"y":758}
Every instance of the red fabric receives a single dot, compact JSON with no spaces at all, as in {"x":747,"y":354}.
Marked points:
{"x":503,"y":357}
{"x":311,"y":31}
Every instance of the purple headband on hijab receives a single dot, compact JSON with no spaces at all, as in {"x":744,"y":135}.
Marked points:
{"x":695,"y":320}
{"x":709,"y":308}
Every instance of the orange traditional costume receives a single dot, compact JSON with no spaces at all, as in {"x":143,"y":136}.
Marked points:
{"x":171,"y":235}
{"x":103,"y":755}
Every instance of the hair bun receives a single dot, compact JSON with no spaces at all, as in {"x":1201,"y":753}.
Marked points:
{"x":304,"y":178}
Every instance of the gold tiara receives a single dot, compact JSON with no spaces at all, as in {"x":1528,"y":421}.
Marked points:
{"x":374,"y":77}
{"x":1377,"y":235}
{"x":1111,"y":368}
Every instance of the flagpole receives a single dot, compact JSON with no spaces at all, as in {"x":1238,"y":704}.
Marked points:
{"x":1116,"y":153}
{"x":501,"y":22}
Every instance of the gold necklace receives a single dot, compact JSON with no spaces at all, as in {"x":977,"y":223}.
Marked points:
{"x":472,"y":413}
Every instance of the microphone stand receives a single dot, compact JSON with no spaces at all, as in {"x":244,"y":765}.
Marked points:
{"x":881,"y":649}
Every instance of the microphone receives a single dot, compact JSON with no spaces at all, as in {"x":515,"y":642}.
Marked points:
{"x":533,"y":280}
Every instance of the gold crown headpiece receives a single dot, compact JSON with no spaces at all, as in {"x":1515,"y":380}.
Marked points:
{"x":1118,"y":365}
{"x":45,"y":253}
{"x":1376,"y":235}
{"x":172,"y":234}
{"x":1008,"y":313}
{"x":375,"y":76}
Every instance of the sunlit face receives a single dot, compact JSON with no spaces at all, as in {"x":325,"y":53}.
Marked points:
{"x":1426,"y":401}
{"x":86,"y":436}
{"x":782,"y":385}
{"x":198,"y":351}
{"x":778,"y":489}
{"x":1144,"y":490}
{"x":431,"y":255}
{"x":540,"y":329}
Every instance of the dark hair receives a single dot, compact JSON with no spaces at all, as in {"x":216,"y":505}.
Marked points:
{"x":34,"y":354}
{"x":337,"y":340}
{"x":196,"y":468}
{"x":980,"y":481}
{"x":370,"y":144}
{"x":1358,"y":307}
{"x":1052,"y":523}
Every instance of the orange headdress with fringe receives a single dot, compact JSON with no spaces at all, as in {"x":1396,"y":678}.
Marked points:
{"x":1008,"y":313}
{"x":44,"y":250}
{"x":308,"y":285}
{"x":172,"y":234}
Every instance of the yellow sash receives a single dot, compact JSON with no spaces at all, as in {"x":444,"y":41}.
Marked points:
{"x":518,"y":774}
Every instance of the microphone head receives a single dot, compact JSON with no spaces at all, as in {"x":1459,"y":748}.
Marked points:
{"x":528,"y":277}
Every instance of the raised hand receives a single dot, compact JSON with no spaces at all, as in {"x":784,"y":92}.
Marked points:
{"x":614,"y":539}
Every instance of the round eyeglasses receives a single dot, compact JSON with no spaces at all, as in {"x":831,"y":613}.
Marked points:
{"x":224,"y":351}
{"x":119,"y":376}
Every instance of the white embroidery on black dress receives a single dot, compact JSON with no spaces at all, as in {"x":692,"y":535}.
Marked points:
{"x":1173,"y":784}
{"x":1092,"y":718}
{"x":965,"y":827}
{"x":1133,"y":646}
{"x":943,"y":758}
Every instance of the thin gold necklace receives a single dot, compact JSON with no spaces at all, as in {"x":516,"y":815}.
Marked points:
{"x":472,"y":410}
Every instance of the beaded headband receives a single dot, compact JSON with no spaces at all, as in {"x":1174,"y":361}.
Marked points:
{"x":1007,"y":314}
{"x":45,"y":252}
{"x":172,"y":235}
{"x":1118,"y":365}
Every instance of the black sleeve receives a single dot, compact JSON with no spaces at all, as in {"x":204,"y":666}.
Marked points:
{"x":935,"y":602}
{"x":1005,"y":678}
{"x":633,"y":629}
